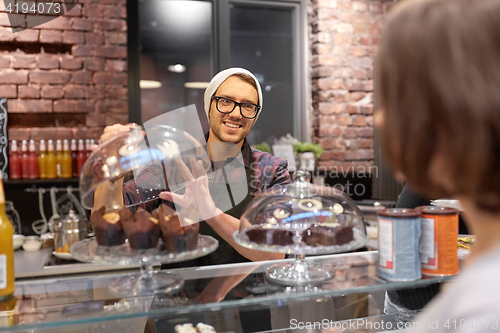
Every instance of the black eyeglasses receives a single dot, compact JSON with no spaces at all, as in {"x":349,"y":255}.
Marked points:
{"x":226,"y":105}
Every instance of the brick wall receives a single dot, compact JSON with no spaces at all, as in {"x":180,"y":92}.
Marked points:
{"x":66,"y":78}
{"x":343,"y":38}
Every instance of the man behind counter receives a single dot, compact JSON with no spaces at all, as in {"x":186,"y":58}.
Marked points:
{"x":233,"y":102}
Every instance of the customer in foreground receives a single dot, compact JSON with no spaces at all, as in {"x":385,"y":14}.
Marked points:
{"x":438,"y":89}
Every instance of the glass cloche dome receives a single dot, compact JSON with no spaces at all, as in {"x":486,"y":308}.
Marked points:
{"x":150,"y":156}
{"x":301,"y":218}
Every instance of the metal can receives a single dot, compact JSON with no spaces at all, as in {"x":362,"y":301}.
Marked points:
{"x":439,"y":241}
{"x":398,"y":244}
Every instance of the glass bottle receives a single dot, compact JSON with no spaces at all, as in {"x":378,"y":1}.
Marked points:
{"x":32,"y":161}
{"x":80,"y":158}
{"x":59,"y":154}
{"x":74,"y":153}
{"x":14,"y":162}
{"x":66,"y":161}
{"x":24,"y":160}
{"x":87,"y":148}
{"x":51,"y":161}
{"x":6,"y":251}
{"x":42,"y":160}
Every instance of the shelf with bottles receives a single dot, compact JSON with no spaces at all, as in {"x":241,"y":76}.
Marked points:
{"x":60,"y":161}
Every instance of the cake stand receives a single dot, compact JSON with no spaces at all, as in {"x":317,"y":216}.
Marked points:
{"x":281,"y":218}
{"x":146,"y":282}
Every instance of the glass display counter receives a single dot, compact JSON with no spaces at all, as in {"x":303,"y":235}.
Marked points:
{"x":233,"y":297}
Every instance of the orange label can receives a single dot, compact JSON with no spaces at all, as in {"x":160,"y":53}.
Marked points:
{"x":439,"y":241}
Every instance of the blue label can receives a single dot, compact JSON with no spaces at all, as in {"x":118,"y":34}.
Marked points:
{"x":399,"y":232}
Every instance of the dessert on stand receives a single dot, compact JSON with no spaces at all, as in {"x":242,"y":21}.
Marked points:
{"x":119,"y":181}
{"x":301,"y":219}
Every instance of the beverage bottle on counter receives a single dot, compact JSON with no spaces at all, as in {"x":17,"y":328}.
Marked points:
{"x":32,"y":161}
{"x":87,"y":149}
{"x":74,"y":153}
{"x":42,"y":160}
{"x":14,"y":162}
{"x":59,"y":157}
{"x":24,"y":160}
{"x":51,"y":161}
{"x":6,"y":251}
{"x":80,"y":157}
{"x":66,"y":161}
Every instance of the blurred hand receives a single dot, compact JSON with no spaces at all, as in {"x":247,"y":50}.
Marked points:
{"x":113,"y":130}
{"x":196,"y":199}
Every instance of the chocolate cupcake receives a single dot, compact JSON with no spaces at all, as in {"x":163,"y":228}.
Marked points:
{"x":141,"y":228}
{"x":320,"y":235}
{"x":270,"y":236}
{"x":176,"y":238}
{"x":107,"y":227}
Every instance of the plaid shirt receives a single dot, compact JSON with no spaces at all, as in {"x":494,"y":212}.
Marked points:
{"x":268,"y":171}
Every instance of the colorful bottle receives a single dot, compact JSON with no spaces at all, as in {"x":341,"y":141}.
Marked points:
{"x":74,"y":152}
{"x":15,"y":162}
{"x":87,"y":149}
{"x":32,"y":161}
{"x":66,"y":161}
{"x":6,"y":251}
{"x":59,"y":154}
{"x":80,"y":157}
{"x":51,"y":161}
{"x":24,"y":160}
{"x":42,"y":160}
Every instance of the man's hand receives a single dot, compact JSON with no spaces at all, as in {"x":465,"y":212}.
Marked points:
{"x":113,"y":130}
{"x":196,"y":198}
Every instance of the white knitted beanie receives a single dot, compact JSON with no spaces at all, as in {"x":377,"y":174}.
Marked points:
{"x":220,"y":78}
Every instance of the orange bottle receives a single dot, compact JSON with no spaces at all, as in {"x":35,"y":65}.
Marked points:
{"x":42,"y":160}
{"x":32,"y":161}
{"x":51,"y":161}
{"x":6,"y":251}
{"x":66,"y":161}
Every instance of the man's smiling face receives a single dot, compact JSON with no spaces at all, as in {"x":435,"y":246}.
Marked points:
{"x":232,"y":127}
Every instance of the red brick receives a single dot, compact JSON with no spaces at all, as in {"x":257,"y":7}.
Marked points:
{"x":23,"y":61}
{"x":117,"y":118}
{"x":95,"y":92}
{"x":329,"y":130}
{"x":115,"y":12}
{"x":342,"y":39}
{"x":359,"y":6}
{"x":82,"y":24}
{"x":28,"y":36}
{"x":4,"y":62}
{"x":357,"y":51}
{"x":368,"y":40}
{"x":365,"y":132}
{"x":108,"y":25}
{"x":75,"y":11}
{"x":82,"y":77}
{"x":4,"y":20}
{"x":116,"y":38}
{"x":73,"y":37}
{"x":326,"y":143}
{"x":49,"y":133}
{"x":40,"y":105}
{"x":94,"y":38}
{"x":113,"y":106}
{"x":71,"y":63}
{"x":115,"y":66}
{"x":344,"y":120}
{"x":8,"y":91}
{"x":366,"y":109}
{"x":50,"y":36}
{"x":356,"y":96}
{"x":12,"y":20}
{"x":319,"y":72}
{"x":330,"y":108}
{"x":15,"y":77}
{"x":360,"y":154}
{"x":354,"y":85}
{"x":94,"y":64}
{"x":113,"y":2}
{"x":58,"y":23}
{"x":45,"y":62}
{"x":74,"y":91}
{"x":95,"y":10}
{"x":358,"y":120}
{"x":68,"y":105}
{"x":375,"y":7}
{"x":48,"y":77}
{"x":110,"y":51}
{"x":6,"y":35}
{"x":333,"y":155}
{"x":29,"y":91}
{"x":110,"y":78}
{"x":371,"y":51}
{"x":374,"y":29}
{"x":52,"y":92}
{"x":351,"y":109}
{"x":82,"y":50}
{"x":329,"y":83}
{"x":360,"y":28}
{"x":115,"y":91}
{"x":19,"y":134}
{"x":95,"y":119}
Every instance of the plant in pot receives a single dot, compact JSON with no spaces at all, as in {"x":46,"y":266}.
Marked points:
{"x":308,"y":153}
